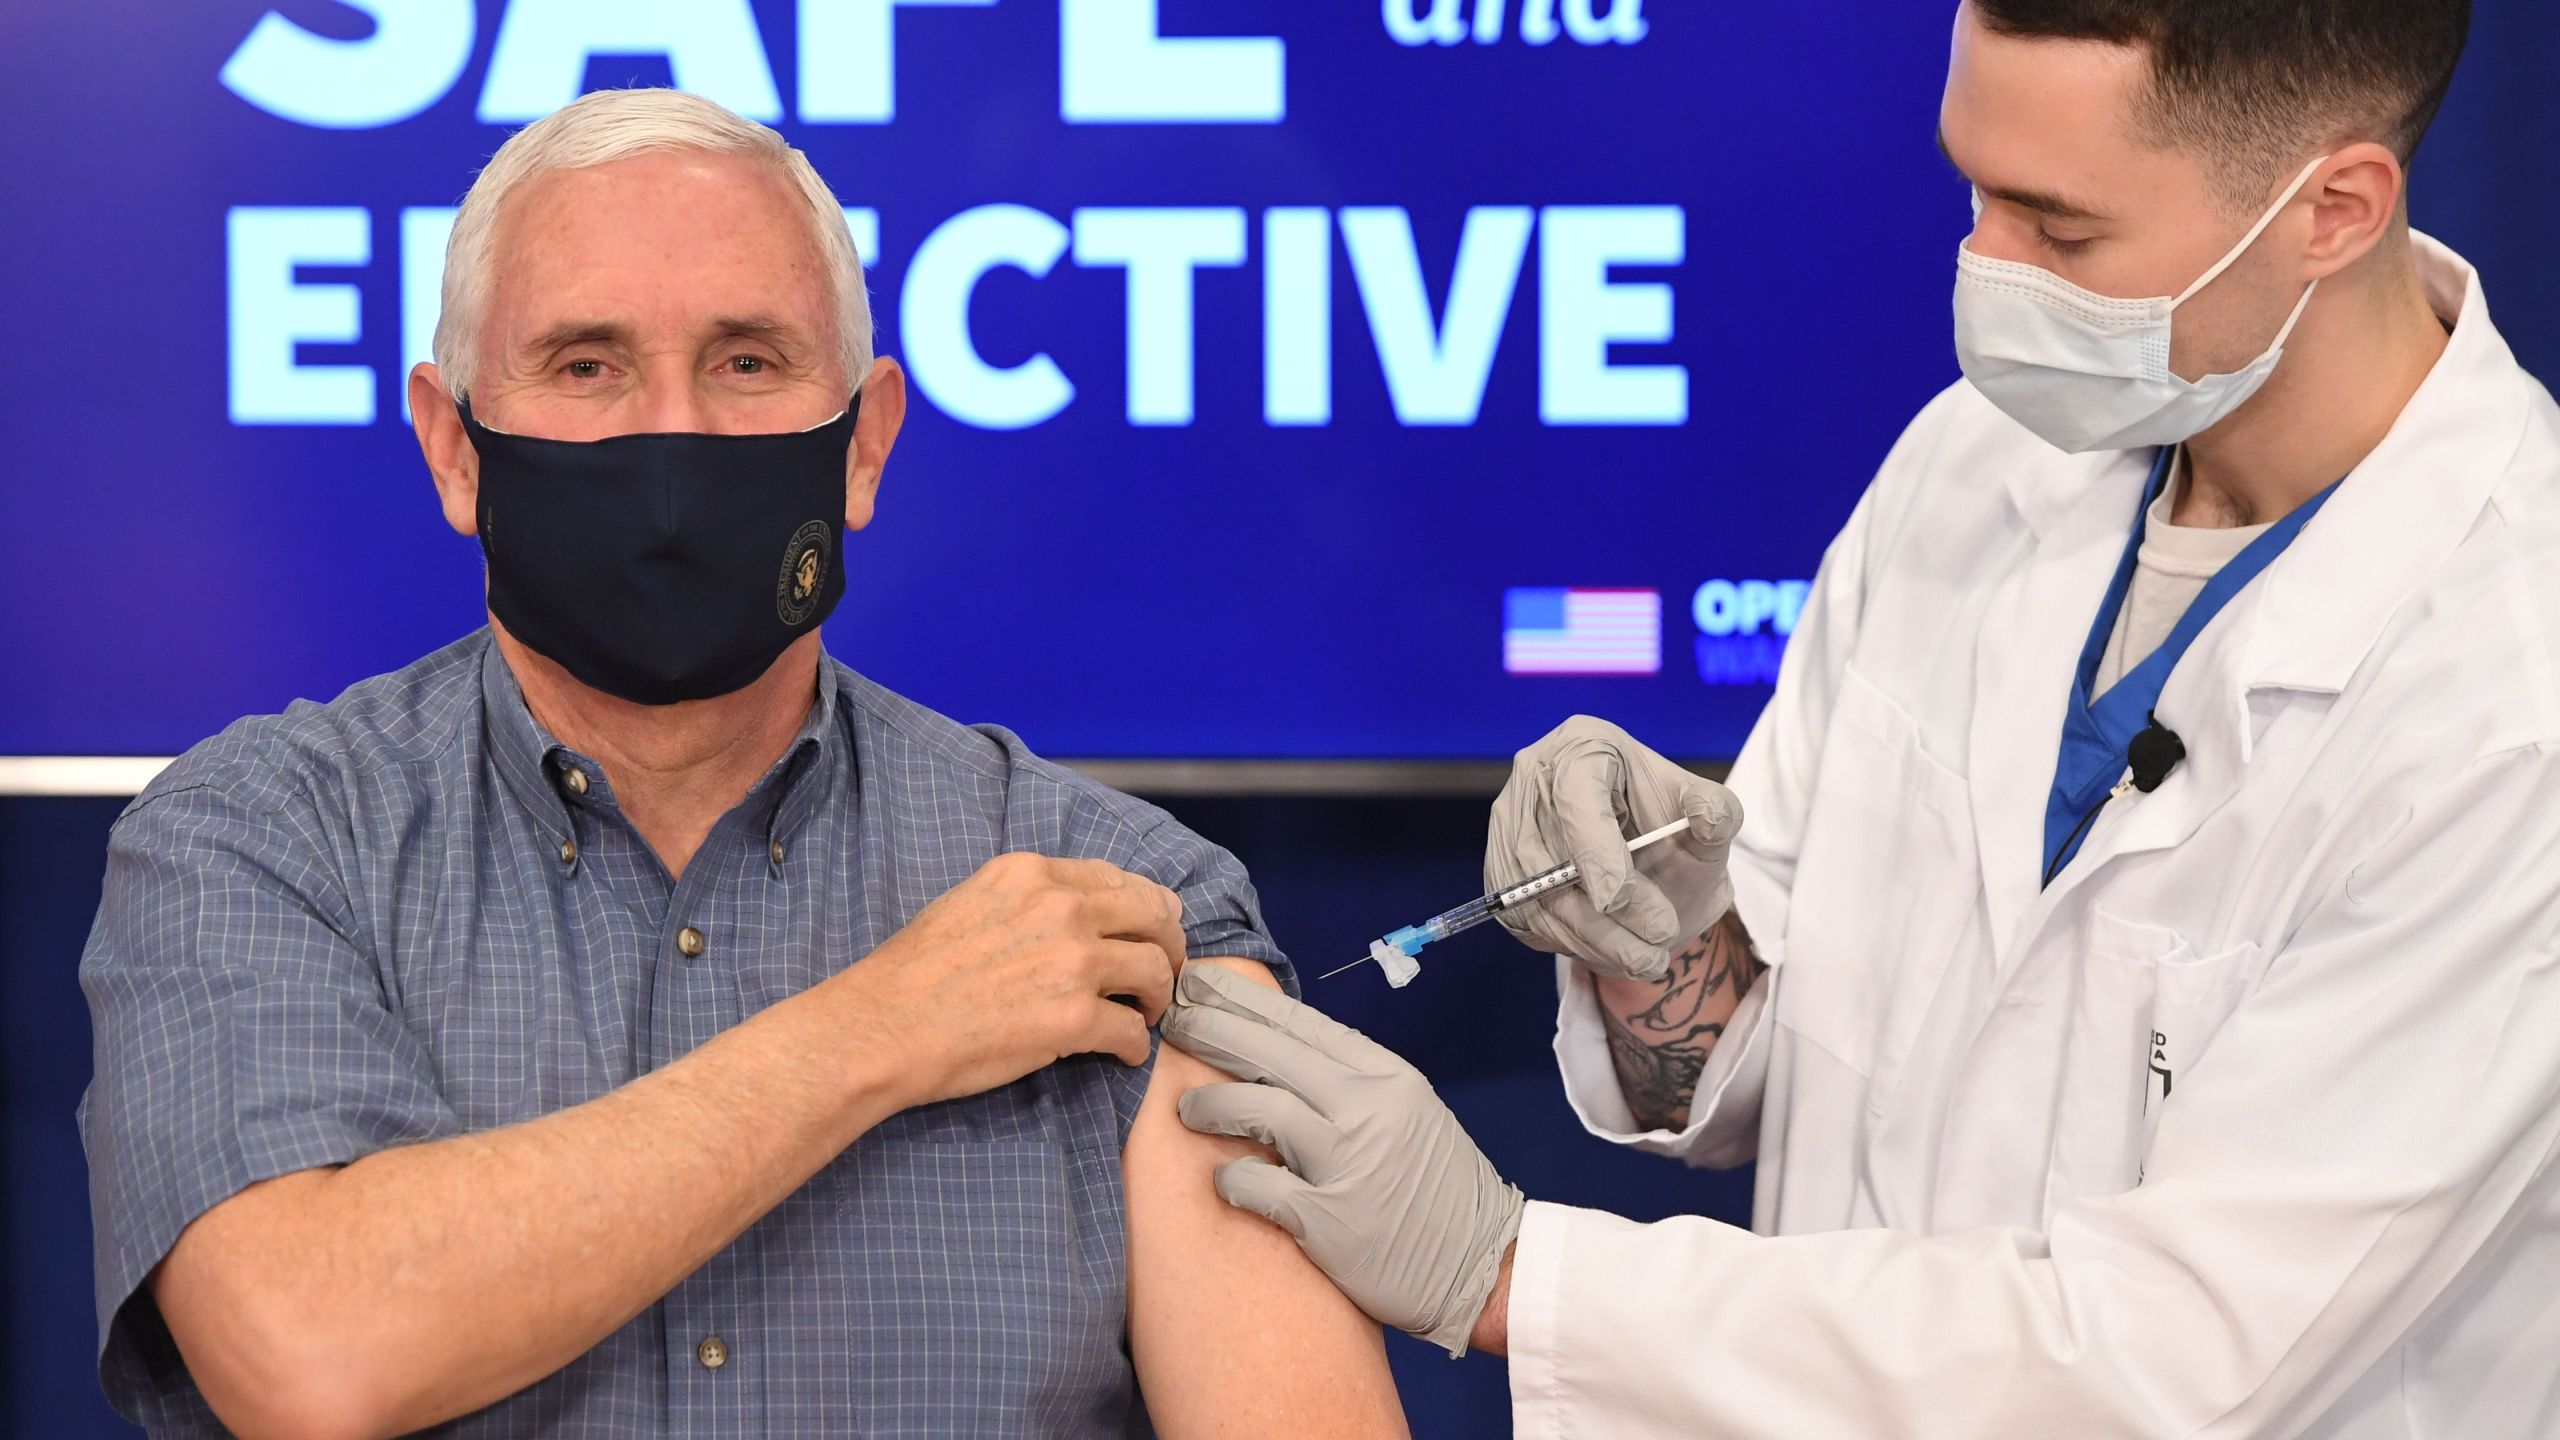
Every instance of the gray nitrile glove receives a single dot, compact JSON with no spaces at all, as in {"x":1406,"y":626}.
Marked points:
{"x":1383,"y":1190}
{"x":1580,"y":794}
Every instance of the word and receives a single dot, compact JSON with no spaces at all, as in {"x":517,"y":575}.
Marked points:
{"x":1449,"y":22}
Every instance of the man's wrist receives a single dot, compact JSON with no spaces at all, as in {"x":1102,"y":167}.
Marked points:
{"x":879,"y":1072}
{"x":1492,"y":1334}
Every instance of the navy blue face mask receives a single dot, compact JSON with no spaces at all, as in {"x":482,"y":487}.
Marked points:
{"x":665,"y":567}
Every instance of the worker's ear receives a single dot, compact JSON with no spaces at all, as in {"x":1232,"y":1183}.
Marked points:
{"x":450,"y":458}
{"x":2355,"y":205}
{"x":875,"y":430}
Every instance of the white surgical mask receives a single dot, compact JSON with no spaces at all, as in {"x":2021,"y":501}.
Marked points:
{"x":2091,"y":372}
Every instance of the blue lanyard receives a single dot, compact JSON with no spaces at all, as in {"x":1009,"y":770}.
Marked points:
{"x":2097,"y":734}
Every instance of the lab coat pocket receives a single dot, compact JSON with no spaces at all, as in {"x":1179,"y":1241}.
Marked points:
{"x":1887,"y":882}
{"x":2143,"y":1006}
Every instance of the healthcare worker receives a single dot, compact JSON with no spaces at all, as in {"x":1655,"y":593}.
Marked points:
{"x":2153,"y":845}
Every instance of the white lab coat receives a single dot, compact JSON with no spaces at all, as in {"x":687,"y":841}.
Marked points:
{"x":2333,"y":930}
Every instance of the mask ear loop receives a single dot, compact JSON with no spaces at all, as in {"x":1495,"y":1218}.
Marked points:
{"x":2233,"y":258}
{"x":2296,"y":317}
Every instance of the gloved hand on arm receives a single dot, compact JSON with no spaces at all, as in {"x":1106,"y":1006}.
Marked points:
{"x":1383,"y":1189}
{"x":1579,"y":794}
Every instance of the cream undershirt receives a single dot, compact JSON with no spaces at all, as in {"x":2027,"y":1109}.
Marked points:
{"x":2172,"y":569}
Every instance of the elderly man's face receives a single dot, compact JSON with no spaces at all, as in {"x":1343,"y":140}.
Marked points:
{"x":671,"y":292}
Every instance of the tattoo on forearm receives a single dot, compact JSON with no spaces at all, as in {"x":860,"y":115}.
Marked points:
{"x":1661,"y":1050}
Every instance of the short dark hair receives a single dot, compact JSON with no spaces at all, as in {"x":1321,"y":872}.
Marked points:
{"x":2256,"y":85}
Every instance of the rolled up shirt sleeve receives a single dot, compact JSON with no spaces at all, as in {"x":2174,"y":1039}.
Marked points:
{"x":1221,"y":915}
{"x":241,"y":1033}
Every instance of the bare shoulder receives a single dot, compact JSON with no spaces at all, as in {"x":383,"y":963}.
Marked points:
{"x":1234,"y":1331}
{"x":1163,"y":1153}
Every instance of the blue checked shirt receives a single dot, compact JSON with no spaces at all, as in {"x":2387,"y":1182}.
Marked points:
{"x":409,"y":913}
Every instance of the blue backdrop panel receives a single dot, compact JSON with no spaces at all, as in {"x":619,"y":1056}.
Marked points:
{"x":1417,"y":264}
{"x":1592,"y":295}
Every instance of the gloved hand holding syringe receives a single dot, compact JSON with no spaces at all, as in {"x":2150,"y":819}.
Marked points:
{"x":1395,"y":952}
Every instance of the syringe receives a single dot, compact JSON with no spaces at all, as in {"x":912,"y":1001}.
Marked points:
{"x":1395,"y":952}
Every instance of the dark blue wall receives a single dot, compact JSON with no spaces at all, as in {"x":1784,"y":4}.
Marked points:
{"x":51,"y":852}
{"x":1332,"y":875}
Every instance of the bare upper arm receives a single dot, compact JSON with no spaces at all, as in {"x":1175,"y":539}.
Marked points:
{"x":1235,"y":1332}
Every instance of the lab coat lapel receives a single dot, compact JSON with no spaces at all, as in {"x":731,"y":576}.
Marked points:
{"x":2313,"y":617}
{"x":2407,"y":507}
{"x":2078,"y":511}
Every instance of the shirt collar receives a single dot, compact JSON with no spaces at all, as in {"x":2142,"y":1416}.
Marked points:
{"x":518,"y":745}
{"x":791,"y":791}
{"x":543,"y":774}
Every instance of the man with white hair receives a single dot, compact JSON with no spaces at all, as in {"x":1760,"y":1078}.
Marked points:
{"x":627,"y":1020}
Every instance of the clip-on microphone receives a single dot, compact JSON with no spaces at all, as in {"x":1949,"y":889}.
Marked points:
{"x":2150,"y":756}
{"x":2153,"y":754}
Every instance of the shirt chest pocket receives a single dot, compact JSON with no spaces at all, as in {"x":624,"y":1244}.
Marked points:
{"x":1886,"y":885}
{"x":2137,"y":1011}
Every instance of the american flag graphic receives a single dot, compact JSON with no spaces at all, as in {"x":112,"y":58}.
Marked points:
{"x":1548,"y":630}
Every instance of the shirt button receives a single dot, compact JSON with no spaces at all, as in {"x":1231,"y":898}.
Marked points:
{"x":576,"y":780}
{"x":713,"y":1352}
{"x":777,"y":852}
{"x":568,"y":852}
{"x":689,"y":940}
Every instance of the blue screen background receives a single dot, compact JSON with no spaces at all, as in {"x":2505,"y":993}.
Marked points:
{"x":1226,"y":588}
{"x":1222,"y":588}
